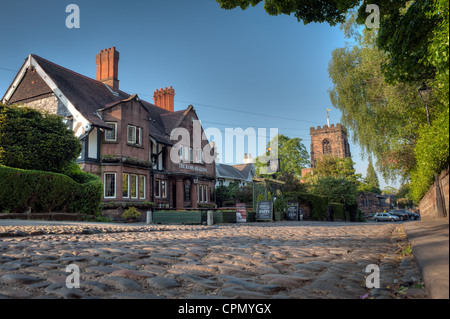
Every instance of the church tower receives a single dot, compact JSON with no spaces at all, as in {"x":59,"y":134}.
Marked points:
{"x":329,"y":140}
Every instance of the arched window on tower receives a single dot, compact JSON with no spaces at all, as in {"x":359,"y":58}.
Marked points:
{"x":326,"y":146}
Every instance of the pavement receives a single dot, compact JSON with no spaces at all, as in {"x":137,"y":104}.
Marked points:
{"x":430,"y":245}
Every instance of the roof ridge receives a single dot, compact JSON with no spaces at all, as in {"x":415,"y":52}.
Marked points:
{"x":66,"y":69}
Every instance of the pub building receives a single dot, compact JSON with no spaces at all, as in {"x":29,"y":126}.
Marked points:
{"x":126,"y":141}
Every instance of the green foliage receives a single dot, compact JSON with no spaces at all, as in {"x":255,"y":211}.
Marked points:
{"x":47,"y":192}
{"x":384,"y":118}
{"x":131,"y":213}
{"x":337,"y":210}
{"x":279,"y":204}
{"x":318,"y":203}
{"x":31,"y":140}
{"x":292,"y":156}
{"x":338,"y":190}
{"x":244,"y":194}
{"x":307,"y":11}
{"x":432,"y":155}
{"x":334,"y":166}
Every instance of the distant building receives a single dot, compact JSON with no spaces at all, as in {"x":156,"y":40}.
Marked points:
{"x":242,"y":174}
{"x":329,"y":140}
{"x":371,"y":203}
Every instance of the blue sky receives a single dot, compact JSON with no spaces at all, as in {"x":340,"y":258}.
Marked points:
{"x":217,"y":60}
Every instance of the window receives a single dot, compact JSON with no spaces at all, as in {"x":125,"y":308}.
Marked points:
{"x":160,"y":189}
{"x":142,"y":187}
{"x":134,"y":185}
{"x":134,"y":135}
{"x":110,"y":185}
{"x":202,"y":193}
{"x":326,"y":146}
{"x":187,"y":192}
{"x":125,"y":185}
{"x":199,"y":156}
{"x":157,"y":188}
{"x":111,"y":135}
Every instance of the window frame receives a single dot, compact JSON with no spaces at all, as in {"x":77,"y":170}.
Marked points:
{"x":114,"y":130}
{"x":107,"y":184}
{"x":128,"y":184}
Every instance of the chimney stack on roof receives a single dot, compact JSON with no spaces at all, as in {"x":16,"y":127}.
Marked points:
{"x":164,"y":98}
{"x":108,"y":67}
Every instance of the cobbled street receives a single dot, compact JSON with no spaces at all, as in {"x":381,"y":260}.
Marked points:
{"x":255,"y":260}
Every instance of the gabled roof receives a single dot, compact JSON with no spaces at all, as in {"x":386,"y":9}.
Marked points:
{"x":228,"y":171}
{"x":245,"y":169}
{"x":88,"y":96}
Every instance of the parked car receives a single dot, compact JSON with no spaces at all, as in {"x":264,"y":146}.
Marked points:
{"x":379,"y":217}
{"x":401,"y":213}
{"x":413,"y":216}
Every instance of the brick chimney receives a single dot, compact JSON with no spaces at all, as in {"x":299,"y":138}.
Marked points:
{"x":108,"y":67}
{"x":164,"y":98}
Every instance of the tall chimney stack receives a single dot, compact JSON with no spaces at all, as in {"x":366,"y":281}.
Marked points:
{"x":108,"y":67}
{"x":164,"y":98}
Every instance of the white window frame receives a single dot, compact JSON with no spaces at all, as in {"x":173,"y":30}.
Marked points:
{"x":136,"y":136}
{"x":143,"y":188}
{"x":136,"y":188}
{"x":114,"y":130}
{"x":115,"y":185}
{"x":128,"y":185}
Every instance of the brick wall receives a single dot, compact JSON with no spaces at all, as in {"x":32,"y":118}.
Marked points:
{"x":428,"y":207}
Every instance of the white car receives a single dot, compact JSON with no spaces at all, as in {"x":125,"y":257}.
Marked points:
{"x":379,"y":217}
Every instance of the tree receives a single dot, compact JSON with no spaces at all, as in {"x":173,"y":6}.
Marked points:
{"x":330,"y":11}
{"x":383,"y":117}
{"x":330,"y":165}
{"x":31,"y":140}
{"x":337,"y":189}
{"x":292,"y":156}
{"x":372,"y":178}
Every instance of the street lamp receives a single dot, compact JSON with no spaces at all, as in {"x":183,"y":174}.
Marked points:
{"x":425,"y":94}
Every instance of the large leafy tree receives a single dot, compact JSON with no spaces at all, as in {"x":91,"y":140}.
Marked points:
{"x":383,"y":117}
{"x":291,"y":154}
{"x":307,"y":11}
{"x":31,"y":140}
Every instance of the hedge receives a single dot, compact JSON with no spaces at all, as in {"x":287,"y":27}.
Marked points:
{"x":318,"y":203}
{"x":46,"y":192}
{"x":337,"y":211}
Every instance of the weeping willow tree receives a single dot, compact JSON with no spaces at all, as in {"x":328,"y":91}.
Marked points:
{"x":384,"y":118}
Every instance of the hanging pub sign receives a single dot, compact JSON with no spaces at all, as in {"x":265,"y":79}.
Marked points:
{"x":292,"y":212}
{"x":241,"y":213}
{"x":264,"y":211}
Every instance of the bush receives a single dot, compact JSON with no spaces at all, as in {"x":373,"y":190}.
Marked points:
{"x":131,"y":213}
{"x":318,"y":203}
{"x":31,"y":140}
{"x":45,"y":192}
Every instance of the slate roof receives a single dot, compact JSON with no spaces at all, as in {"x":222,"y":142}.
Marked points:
{"x":228,"y":171}
{"x":245,"y":169}
{"x":88,"y":96}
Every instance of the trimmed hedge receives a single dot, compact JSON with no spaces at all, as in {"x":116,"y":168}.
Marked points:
{"x":44,"y":192}
{"x":179,"y":217}
{"x":318,"y":203}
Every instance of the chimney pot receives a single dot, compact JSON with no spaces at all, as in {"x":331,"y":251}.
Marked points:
{"x":164,"y":98}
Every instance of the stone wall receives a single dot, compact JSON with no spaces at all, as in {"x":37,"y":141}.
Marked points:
{"x":428,"y":206}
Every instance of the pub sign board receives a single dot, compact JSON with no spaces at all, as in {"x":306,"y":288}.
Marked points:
{"x":241,"y":213}
{"x":292,"y":211}
{"x":264,"y":211}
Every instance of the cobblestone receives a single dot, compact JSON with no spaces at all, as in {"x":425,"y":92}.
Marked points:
{"x":256,"y":260}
